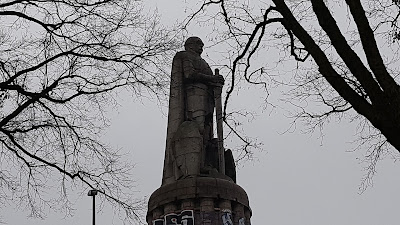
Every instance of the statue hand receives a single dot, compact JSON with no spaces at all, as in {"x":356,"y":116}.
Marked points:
{"x":219,"y":79}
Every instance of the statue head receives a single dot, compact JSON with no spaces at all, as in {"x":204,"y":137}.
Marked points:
{"x":194,"y":44}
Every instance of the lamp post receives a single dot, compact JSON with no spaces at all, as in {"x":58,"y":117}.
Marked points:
{"x":93,"y":193}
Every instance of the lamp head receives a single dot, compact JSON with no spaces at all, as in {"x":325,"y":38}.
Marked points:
{"x":92,"y":193}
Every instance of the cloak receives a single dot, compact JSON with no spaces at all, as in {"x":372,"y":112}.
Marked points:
{"x":190,"y":99}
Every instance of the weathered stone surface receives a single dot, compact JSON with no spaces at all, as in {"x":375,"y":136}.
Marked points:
{"x":198,"y":187}
{"x":190,"y":116}
{"x":187,"y":149}
{"x":209,"y":198}
{"x":199,"y":178}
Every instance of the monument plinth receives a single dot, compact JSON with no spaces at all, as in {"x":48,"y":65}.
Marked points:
{"x":199,"y":178}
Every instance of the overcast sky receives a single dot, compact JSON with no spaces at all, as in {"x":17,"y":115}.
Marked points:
{"x":297,"y":179}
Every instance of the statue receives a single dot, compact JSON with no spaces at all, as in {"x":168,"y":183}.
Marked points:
{"x":190,"y":144}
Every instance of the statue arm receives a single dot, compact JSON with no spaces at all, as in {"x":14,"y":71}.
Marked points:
{"x":191,"y":74}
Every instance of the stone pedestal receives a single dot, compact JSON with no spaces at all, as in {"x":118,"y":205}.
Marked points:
{"x":199,"y":201}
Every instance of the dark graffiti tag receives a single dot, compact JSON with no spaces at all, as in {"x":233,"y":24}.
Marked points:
{"x":227,"y":218}
{"x":184,"y":218}
{"x":158,"y":222}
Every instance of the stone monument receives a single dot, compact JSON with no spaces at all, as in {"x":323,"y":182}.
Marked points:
{"x":199,"y":178}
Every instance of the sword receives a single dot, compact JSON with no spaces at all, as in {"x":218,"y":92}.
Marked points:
{"x":220,"y":134}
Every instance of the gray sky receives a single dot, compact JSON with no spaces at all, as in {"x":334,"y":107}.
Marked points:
{"x":297,"y":179}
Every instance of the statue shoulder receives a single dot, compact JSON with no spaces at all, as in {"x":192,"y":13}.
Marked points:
{"x":180,"y":55}
{"x":184,"y":55}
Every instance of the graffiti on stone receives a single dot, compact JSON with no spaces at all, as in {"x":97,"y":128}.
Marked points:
{"x":227,"y":217}
{"x":184,"y":218}
{"x":158,"y":222}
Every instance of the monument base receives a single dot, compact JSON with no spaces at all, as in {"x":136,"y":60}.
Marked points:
{"x":199,"y":201}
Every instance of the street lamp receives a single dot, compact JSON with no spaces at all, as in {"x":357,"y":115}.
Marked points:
{"x":93,"y":193}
